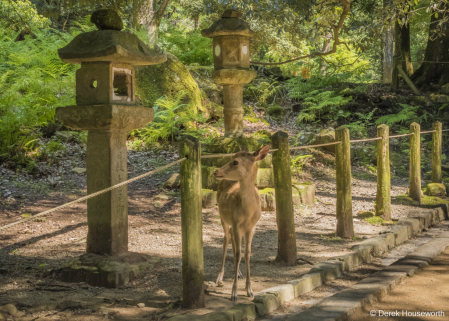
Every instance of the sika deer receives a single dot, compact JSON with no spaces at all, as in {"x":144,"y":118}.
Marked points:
{"x":239,"y":208}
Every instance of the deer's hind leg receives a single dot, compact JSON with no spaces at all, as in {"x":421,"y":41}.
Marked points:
{"x":226,"y":228}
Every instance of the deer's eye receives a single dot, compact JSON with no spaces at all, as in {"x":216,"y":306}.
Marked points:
{"x":236,"y":162}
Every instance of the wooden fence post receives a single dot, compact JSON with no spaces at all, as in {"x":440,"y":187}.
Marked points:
{"x":191,"y":224}
{"x":383,"y":196}
{"x":345,"y":227}
{"x":437,"y":139}
{"x":284,"y":200}
{"x":415,"y":162}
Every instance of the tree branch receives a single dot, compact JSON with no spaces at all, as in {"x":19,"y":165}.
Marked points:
{"x":346,"y":7}
{"x":160,"y":12}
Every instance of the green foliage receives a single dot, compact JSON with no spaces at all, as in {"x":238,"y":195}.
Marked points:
{"x":407,"y":115}
{"x":318,"y":105}
{"x":263,"y":91}
{"x":276,"y":111}
{"x":188,"y":47}
{"x":170,"y":122}
{"x":21,"y":17}
{"x":375,"y":220}
{"x":33,"y":82}
{"x":298,"y":162}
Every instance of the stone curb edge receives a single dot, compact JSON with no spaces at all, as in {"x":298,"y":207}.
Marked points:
{"x":271,"y":299}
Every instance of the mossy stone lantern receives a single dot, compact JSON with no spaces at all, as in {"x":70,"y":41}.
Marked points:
{"x":106,"y":107}
{"x":231,"y":50}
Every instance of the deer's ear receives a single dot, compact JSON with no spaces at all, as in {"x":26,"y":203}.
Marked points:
{"x":261,"y":153}
{"x":243,"y":148}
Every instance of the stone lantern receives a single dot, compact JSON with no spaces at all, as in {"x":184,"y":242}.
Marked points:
{"x":106,"y":107}
{"x":231,"y":37}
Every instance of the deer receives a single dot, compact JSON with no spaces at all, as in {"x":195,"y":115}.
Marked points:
{"x":239,"y":209}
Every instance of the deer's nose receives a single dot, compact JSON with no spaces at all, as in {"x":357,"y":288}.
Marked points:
{"x":216,"y":173}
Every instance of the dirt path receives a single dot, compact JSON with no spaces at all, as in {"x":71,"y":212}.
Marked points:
{"x":427,"y":291}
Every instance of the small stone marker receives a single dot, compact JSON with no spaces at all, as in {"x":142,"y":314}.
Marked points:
{"x":141,"y":305}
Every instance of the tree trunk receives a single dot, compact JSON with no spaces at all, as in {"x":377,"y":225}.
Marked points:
{"x":402,"y":47}
{"x":387,"y":49}
{"x":387,"y":53}
{"x":326,"y":48}
{"x":430,"y":73}
{"x":149,"y":17}
{"x":196,"y":20}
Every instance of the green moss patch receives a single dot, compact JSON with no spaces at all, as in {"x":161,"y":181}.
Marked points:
{"x":375,"y":220}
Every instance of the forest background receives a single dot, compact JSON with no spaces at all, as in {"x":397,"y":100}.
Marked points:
{"x":322,"y":63}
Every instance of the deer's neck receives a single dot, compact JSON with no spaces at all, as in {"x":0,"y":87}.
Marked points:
{"x":248,"y":189}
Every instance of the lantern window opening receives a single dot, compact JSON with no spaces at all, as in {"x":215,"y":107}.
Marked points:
{"x":122,"y":84}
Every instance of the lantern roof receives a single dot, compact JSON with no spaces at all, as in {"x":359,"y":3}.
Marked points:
{"x":228,"y":25}
{"x":109,"y":44}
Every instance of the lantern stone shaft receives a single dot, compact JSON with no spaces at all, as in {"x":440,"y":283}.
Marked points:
{"x":231,"y":37}
{"x":106,"y":107}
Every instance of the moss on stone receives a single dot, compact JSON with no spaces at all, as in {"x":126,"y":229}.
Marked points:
{"x":255,"y":120}
{"x":227,"y":145}
{"x":265,"y":178}
{"x":169,"y":79}
{"x":209,"y":198}
{"x":306,"y":191}
{"x":267,"y":199}
{"x":208,"y":180}
{"x":375,"y":220}
{"x":435,"y":189}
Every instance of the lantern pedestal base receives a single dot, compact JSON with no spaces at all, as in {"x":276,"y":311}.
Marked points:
{"x":108,"y":271}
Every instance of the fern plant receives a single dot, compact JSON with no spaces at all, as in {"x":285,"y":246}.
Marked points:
{"x":316,"y":104}
{"x":407,"y":115}
{"x":33,"y":82}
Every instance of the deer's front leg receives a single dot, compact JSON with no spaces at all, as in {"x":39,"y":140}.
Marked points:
{"x":233,"y":252}
{"x":225,"y":249}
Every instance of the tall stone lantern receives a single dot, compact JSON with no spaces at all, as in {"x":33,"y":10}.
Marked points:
{"x":231,"y":51}
{"x":106,"y":107}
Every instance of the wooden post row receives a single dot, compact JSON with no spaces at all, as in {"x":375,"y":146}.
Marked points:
{"x":345,"y":227}
{"x":383,"y":195}
{"x":415,"y":162}
{"x":191,"y":224}
{"x":437,"y":139}
{"x":284,"y":199}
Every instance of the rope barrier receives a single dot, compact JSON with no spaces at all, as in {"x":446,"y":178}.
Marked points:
{"x":402,"y":135}
{"x":95,"y":194}
{"x":445,"y":130}
{"x":364,"y":140}
{"x":226,"y":155}
{"x":179,"y":161}
{"x":310,"y":146}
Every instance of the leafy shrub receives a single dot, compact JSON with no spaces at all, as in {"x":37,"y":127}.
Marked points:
{"x":188,"y":47}
{"x":264,"y":91}
{"x":407,"y":115}
{"x":298,"y":162}
{"x":319,"y":105}
{"x":33,"y":82}
{"x":170,"y":121}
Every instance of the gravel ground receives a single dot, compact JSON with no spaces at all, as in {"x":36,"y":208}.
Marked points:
{"x":32,"y":252}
